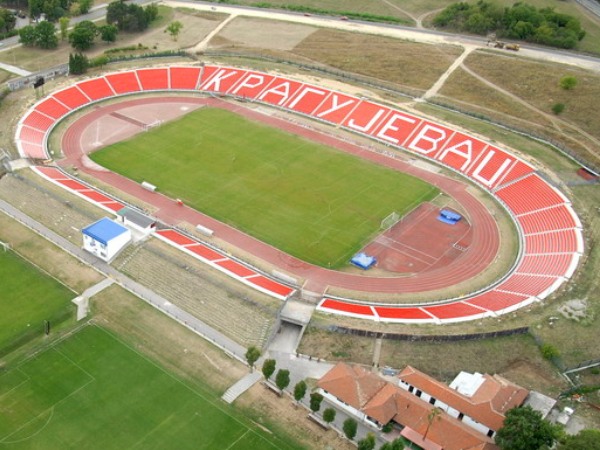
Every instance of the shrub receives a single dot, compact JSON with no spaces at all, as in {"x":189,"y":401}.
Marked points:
{"x":558,"y":108}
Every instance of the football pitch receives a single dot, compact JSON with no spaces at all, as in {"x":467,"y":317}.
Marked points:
{"x":93,"y":391}
{"x":313,"y":202}
{"x":27,"y":298}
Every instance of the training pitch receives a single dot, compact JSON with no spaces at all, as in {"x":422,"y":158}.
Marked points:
{"x":27,"y":298}
{"x":93,"y":391}
{"x":313,"y":202}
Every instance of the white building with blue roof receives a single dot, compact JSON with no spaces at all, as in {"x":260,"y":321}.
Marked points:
{"x":105,"y":238}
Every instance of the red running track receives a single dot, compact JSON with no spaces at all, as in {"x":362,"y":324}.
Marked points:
{"x":481,"y":253}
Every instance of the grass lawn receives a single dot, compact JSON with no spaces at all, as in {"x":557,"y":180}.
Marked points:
{"x":308,"y":200}
{"x":93,"y":391}
{"x":27,"y":298}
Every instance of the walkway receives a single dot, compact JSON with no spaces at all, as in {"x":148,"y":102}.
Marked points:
{"x":14,"y":69}
{"x":242,"y":386}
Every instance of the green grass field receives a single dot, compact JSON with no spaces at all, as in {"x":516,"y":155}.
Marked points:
{"x":93,"y":391}
{"x":308,"y":200}
{"x":27,"y":298}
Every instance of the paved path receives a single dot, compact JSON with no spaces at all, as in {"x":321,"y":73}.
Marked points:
{"x":220,"y":340}
{"x":242,"y":386}
{"x":13,"y":69}
{"x":91,"y":291}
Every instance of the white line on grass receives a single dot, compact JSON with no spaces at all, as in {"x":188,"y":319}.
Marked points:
{"x":183,"y":383}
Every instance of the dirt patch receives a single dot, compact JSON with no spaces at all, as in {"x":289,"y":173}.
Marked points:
{"x":531,"y":376}
{"x":267,"y":405}
{"x":260,"y":33}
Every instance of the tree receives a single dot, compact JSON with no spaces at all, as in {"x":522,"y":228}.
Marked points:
{"x":300,"y":390}
{"x":83,"y":35}
{"x":130,"y":17}
{"x":329,"y":415}
{"x":315,"y":401}
{"x":268,"y":368}
{"x":434,"y":414}
{"x":78,"y":63}
{"x":173,"y":29}
{"x":46,"y":35}
{"x":524,"y":429}
{"x":252,"y":355}
{"x":396,"y":444}
{"x":282,"y":379}
{"x":108,"y":33}
{"x":115,"y":13}
{"x":367,"y":443}
{"x":350,"y":427}
{"x":568,"y":82}
{"x":585,"y":439}
{"x":27,"y":36}
{"x":63,"y":24}
{"x":84,"y":6}
{"x":7,"y":20}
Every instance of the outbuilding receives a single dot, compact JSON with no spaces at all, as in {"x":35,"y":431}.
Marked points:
{"x":105,"y":238}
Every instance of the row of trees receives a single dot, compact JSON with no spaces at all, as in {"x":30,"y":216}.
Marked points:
{"x":55,"y":9}
{"x":130,"y":17}
{"x":521,"y":21}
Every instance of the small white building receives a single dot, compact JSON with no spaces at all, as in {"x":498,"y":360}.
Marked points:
{"x":105,"y":238}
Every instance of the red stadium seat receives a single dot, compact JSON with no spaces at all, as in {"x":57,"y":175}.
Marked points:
{"x":71,"y":97}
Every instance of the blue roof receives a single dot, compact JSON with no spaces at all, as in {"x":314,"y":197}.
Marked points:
{"x":104,"y":230}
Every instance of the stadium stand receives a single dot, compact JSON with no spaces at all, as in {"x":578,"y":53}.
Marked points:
{"x":561,"y":217}
{"x":552,"y":236}
{"x":39,"y":121}
{"x":123,"y":82}
{"x":184,"y":78}
{"x":153,"y":79}
{"x":232,"y":268}
{"x":52,"y":108}
{"x":71,"y":97}
{"x":540,"y":195}
{"x":31,"y":135}
{"x":96,"y":89}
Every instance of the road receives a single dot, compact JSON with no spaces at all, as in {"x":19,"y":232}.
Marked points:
{"x":394,"y":31}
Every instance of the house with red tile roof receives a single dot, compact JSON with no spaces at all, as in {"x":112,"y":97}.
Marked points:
{"x":429,"y":422}
{"x":477,"y":400}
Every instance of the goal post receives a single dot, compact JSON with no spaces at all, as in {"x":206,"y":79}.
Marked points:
{"x":390,"y":220}
{"x":5,"y":246}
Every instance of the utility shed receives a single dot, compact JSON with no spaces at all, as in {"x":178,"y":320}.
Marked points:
{"x":105,"y":238}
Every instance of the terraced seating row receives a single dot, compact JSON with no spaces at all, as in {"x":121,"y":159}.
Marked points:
{"x":550,"y":226}
{"x":225,"y":264}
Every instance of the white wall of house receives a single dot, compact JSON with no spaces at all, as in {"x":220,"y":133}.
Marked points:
{"x":108,"y":251}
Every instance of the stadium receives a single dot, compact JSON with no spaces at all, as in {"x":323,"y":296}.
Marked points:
{"x":311,"y":209}
{"x":549,"y":231}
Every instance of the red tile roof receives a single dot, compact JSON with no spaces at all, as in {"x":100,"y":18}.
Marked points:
{"x":487,"y":406}
{"x":384,"y":401}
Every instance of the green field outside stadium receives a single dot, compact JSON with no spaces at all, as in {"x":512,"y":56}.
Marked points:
{"x":93,"y":391}
{"x":311,"y":201}
{"x":27,"y":298}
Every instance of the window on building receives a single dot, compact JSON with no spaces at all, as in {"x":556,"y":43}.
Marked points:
{"x":490,"y":433}
{"x":460,"y":416}
{"x":411,"y":389}
{"x":432,"y":401}
{"x":418,"y":394}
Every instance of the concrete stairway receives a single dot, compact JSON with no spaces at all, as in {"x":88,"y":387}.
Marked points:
{"x":241,"y":386}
